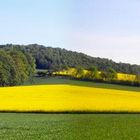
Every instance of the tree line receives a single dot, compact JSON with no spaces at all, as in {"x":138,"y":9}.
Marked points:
{"x":108,"y":76}
{"x":18,"y":63}
{"x":56,"y":59}
{"x":16,"y":66}
{"x":93,"y":74}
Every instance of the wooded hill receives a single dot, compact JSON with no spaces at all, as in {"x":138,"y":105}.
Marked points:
{"x":57,"y":59}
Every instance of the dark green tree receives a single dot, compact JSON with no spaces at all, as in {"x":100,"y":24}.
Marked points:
{"x":79,"y":72}
{"x":104,"y":75}
{"x":15,"y":67}
{"x":137,"y":78}
{"x":111,"y":74}
{"x":93,"y":73}
{"x":8,"y":74}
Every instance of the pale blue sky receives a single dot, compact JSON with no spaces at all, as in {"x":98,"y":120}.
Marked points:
{"x":103,"y":28}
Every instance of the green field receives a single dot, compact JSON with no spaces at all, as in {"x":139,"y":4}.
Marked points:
{"x":69,"y":126}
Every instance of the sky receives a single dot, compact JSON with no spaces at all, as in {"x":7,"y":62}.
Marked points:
{"x":100,"y":28}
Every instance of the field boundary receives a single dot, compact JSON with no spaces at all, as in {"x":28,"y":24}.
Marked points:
{"x":71,"y":112}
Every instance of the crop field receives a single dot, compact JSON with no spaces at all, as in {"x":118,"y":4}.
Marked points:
{"x":126,"y":77}
{"x":69,"y":126}
{"x":58,"y":95}
{"x":66,"y":98}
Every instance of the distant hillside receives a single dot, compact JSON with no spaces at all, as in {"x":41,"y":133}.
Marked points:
{"x":57,"y":59}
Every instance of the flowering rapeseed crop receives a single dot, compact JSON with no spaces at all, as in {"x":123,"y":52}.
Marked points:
{"x":67,"y":98}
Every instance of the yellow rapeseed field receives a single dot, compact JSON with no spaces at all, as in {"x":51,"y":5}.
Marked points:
{"x":126,"y":77}
{"x":67,"y":98}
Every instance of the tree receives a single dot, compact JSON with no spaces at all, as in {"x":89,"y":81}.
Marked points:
{"x":8,"y":74}
{"x":15,"y":67}
{"x":3,"y":76}
{"x":79,"y":72}
{"x":137,"y":78}
{"x":109,"y":75}
{"x":31,"y":63}
{"x":112,"y":74}
{"x":93,"y":73}
{"x":104,"y":75}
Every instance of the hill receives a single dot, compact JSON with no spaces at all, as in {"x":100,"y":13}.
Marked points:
{"x":58,"y":59}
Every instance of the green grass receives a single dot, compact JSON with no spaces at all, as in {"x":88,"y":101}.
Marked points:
{"x":69,"y":126}
{"x":57,"y":80}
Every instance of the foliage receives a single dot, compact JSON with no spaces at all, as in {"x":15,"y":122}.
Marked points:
{"x":15,"y":67}
{"x":7,"y":69}
{"x":79,"y":73}
{"x":93,"y":73}
{"x":138,"y":78}
{"x":104,"y":75}
{"x":109,"y":75}
{"x":58,"y":59}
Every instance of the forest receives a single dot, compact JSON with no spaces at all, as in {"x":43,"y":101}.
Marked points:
{"x":18,"y":63}
{"x":58,"y":59}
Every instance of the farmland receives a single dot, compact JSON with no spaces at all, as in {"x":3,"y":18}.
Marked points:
{"x":69,"y":126}
{"x":61,"y":95}
{"x":66,"y":97}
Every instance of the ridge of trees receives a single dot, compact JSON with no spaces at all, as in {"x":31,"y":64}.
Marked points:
{"x":58,"y":59}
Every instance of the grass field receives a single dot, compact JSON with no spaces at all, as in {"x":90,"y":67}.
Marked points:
{"x":70,"y":96}
{"x":69,"y":126}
